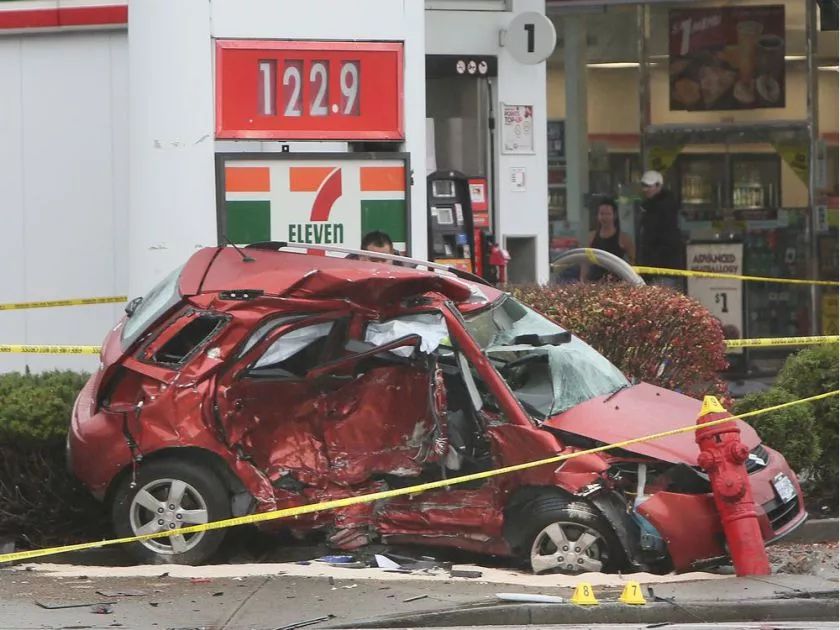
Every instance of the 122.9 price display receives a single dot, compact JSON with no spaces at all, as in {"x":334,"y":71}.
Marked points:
{"x":309,"y":90}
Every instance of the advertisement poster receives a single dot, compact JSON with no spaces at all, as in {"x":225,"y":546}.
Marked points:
{"x":727,"y":58}
{"x":722,"y":296}
{"x":518,"y":129}
{"x":314,"y":201}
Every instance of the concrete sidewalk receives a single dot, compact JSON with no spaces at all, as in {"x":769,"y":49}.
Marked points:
{"x":237,"y":597}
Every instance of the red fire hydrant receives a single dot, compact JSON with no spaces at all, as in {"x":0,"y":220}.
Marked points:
{"x":722,"y":456}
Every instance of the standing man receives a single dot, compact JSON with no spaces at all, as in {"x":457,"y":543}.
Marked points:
{"x":660,"y":242}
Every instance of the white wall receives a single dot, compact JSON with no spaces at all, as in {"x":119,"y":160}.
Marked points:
{"x":64,"y":177}
{"x":173,"y":204}
{"x":477,"y":33}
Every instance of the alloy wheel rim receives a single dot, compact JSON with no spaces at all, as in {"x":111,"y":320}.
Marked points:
{"x":568,"y":547}
{"x":168,"y":505}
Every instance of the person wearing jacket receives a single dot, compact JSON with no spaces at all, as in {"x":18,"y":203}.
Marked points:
{"x":660,"y":242}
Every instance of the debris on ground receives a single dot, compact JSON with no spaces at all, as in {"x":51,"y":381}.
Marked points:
{"x":415,"y":598}
{"x":102,"y":609}
{"x":62,"y":605}
{"x":463,"y":572}
{"x":129,"y":592}
{"x":303,"y":624}
{"x":384,"y":562}
{"x":531,"y":598}
{"x":200,"y":580}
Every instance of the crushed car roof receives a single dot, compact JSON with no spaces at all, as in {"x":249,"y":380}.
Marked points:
{"x":299,"y":275}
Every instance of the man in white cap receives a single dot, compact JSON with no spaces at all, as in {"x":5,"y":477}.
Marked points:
{"x":660,"y":243}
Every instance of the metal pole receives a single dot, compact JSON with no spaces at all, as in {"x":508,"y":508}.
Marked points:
{"x":643,"y":26}
{"x":577,"y":134}
{"x":813,"y":136}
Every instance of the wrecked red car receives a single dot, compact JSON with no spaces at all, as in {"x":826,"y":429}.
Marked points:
{"x":257,"y":379}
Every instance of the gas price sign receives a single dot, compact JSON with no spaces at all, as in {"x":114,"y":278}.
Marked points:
{"x":309,"y":90}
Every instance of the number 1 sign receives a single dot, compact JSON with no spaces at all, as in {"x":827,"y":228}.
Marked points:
{"x":309,"y":90}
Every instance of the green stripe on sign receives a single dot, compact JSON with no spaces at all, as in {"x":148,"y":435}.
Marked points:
{"x":386,"y":215}
{"x":248,"y":221}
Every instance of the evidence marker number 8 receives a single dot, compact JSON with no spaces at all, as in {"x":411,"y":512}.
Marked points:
{"x":317,"y":75}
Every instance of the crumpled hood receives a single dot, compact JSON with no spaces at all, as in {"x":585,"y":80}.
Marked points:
{"x":642,"y":410}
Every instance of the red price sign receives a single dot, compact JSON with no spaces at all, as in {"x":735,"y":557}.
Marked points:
{"x":309,"y":90}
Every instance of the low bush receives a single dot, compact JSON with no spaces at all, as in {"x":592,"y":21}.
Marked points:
{"x":650,"y":333}
{"x":40,"y":502}
{"x":807,"y":373}
{"x":791,"y":431}
{"x":37,"y":407}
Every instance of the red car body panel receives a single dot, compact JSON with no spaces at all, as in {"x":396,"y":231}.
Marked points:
{"x":643,"y":410}
{"x":336,"y":433}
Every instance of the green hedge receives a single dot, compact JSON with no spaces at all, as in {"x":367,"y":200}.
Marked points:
{"x":41,"y":504}
{"x":36,"y":408}
{"x":805,"y":434}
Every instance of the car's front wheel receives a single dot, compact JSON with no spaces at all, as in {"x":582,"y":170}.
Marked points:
{"x":554,"y":535}
{"x":168,"y":495}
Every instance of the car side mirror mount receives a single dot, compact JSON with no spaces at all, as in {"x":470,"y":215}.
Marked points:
{"x":132,"y":306}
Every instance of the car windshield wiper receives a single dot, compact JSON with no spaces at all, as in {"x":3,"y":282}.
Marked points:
{"x":615,"y":392}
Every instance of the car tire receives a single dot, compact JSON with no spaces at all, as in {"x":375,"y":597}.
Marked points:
{"x":169,"y":494}
{"x":544,"y":534}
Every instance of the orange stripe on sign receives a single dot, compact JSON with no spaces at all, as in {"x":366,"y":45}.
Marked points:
{"x":308,"y":178}
{"x":247,"y":179}
{"x":388,"y":178}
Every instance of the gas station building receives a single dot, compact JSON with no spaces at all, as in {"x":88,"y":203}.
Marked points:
{"x":135,"y":132}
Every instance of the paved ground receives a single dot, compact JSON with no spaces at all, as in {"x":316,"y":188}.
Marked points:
{"x":273,"y":595}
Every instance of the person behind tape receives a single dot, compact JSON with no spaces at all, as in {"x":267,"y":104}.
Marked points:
{"x":660,"y":242}
{"x":607,"y":237}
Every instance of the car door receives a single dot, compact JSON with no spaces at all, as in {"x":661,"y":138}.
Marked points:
{"x":266,"y":407}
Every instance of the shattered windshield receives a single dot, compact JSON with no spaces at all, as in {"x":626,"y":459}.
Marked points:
{"x":154,"y":304}
{"x":547,"y":379}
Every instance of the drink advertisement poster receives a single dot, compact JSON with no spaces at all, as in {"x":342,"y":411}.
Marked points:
{"x":727,"y":58}
{"x":517,"y":129}
{"x":722,"y":296}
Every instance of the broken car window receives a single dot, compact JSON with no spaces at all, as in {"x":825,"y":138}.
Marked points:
{"x":266,"y":328}
{"x":189,"y":338}
{"x":547,"y":379}
{"x":297,"y":351}
{"x":156,"y":302}
{"x":430,"y":326}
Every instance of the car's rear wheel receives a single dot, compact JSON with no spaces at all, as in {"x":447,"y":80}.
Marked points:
{"x":554,"y":535}
{"x":167,"y":496}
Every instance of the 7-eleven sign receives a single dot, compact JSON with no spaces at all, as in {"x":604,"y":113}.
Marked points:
{"x":323,"y":202}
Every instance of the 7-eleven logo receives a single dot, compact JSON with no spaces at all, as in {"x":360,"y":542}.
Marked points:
{"x":315,"y":203}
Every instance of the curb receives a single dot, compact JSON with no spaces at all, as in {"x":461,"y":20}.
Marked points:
{"x":815,"y":531}
{"x":611,"y":613}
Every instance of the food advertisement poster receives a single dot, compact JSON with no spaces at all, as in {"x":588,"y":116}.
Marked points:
{"x":727,"y":58}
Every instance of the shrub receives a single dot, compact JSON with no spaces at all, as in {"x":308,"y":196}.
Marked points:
{"x":40,"y":502}
{"x":650,"y":333}
{"x":37,"y":407}
{"x":807,"y":373}
{"x":791,"y":431}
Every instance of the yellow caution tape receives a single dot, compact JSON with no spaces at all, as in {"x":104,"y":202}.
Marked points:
{"x":781,"y":341}
{"x":78,"y":302}
{"x":662,"y":271}
{"x":388,"y":494}
{"x":35,"y":349}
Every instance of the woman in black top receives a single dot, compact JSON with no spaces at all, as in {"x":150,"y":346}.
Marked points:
{"x":609,"y":238}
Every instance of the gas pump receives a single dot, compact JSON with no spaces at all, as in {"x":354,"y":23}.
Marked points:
{"x":451,"y":238}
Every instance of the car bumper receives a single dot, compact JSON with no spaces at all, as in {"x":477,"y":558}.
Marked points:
{"x":691,"y":526}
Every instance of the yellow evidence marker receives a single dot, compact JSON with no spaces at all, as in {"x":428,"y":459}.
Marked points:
{"x":584,"y":595}
{"x":632,"y":594}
